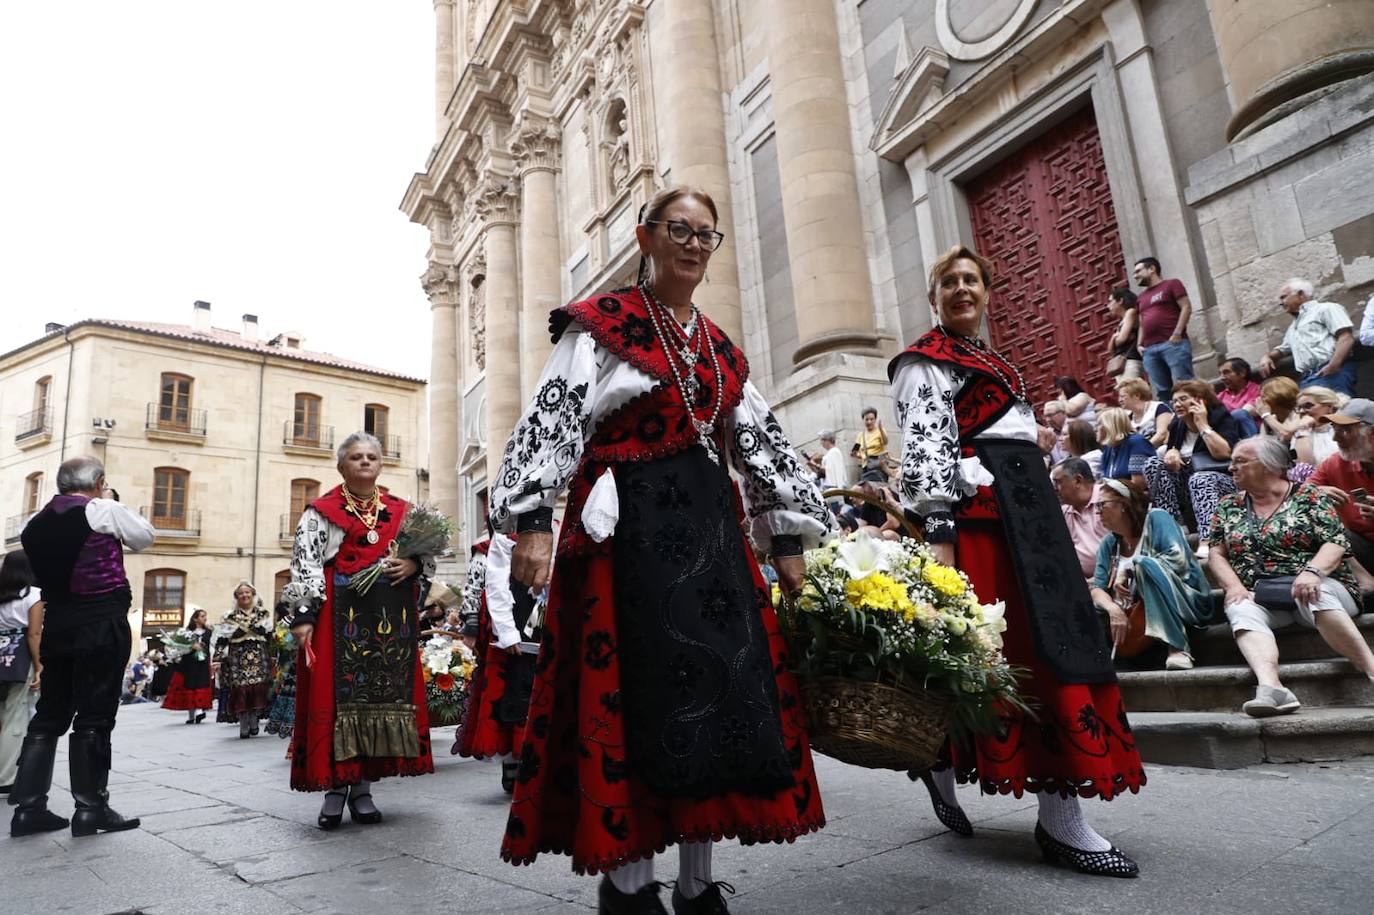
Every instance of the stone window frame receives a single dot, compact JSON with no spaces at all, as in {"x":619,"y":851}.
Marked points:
{"x":156,"y":598}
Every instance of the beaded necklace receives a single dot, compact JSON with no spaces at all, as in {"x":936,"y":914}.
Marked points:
{"x":975,"y":348}
{"x":689,"y":351}
{"x":365,"y":510}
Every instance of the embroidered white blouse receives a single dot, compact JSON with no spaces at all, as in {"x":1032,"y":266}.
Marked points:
{"x":584,"y":383}
{"x":473,"y":586}
{"x":934,"y":475}
{"x":317,"y":541}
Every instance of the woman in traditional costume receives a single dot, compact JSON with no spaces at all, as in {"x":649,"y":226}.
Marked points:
{"x":190,"y":689}
{"x":662,"y":710}
{"x":360,"y":699}
{"x":499,"y":695}
{"x":281,"y":717}
{"x":971,"y":469}
{"x":245,"y":668}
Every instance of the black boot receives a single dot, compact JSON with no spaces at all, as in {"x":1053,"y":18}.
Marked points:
{"x":89,"y":759}
{"x":610,"y":901}
{"x":30,"y":792}
{"x":508,"y":772}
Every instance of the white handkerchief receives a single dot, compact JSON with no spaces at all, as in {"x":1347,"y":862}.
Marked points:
{"x":973,"y":474}
{"x":602,"y":511}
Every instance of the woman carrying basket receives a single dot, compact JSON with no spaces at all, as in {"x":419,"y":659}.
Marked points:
{"x":972,"y":470}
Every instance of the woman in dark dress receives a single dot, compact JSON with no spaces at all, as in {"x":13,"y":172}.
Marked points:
{"x":662,"y":712}
{"x":190,"y":687}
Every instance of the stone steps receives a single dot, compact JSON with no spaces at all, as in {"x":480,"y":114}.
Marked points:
{"x":1318,"y":684}
{"x":1222,"y":740}
{"x":1217,"y":646}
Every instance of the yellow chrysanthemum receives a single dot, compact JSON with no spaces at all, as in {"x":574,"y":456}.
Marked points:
{"x":879,"y":592}
{"x":943,"y":579}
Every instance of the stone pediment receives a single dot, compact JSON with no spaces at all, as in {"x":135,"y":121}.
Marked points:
{"x":918,"y":88}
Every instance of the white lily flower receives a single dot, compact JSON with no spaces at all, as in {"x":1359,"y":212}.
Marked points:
{"x":863,"y":554}
{"x":995,"y":621}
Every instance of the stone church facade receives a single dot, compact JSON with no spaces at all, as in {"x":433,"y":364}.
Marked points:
{"x":847,"y":143}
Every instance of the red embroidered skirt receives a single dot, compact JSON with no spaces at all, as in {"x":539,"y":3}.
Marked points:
{"x":481,"y":734}
{"x":575,"y":793}
{"x":313,"y":767}
{"x":181,"y":699}
{"x":1081,"y":743}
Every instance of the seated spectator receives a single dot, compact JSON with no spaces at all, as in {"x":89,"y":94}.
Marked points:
{"x":1314,"y":441}
{"x":1080,"y":441}
{"x":1077,"y":491}
{"x":1145,"y":558}
{"x":1348,"y":473}
{"x":1056,"y":415}
{"x":1124,"y":451}
{"x":1239,"y":393}
{"x":1195,"y":469}
{"x":1121,"y":346}
{"x":1277,"y":556}
{"x":1150,"y":417}
{"x":1078,"y":403}
{"x":1278,"y":408}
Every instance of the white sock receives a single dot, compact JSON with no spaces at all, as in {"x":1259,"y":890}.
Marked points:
{"x":694,"y":868}
{"x":505,"y":757}
{"x":943,"y":780}
{"x":1063,"y":820}
{"x":632,"y":877}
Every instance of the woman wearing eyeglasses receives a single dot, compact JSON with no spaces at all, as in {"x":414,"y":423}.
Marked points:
{"x":1313,"y":441}
{"x":1194,"y":472}
{"x":661,"y":712}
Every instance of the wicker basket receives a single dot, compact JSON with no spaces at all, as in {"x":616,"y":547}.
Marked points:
{"x":873,"y":725}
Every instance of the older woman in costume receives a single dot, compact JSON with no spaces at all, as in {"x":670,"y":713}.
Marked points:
{"x":661,"y":712}
{"x":244,"y":666}
{"x":972,"y":470}
{"x":360,"y":699}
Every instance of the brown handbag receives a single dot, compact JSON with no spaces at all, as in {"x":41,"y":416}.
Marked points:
{"x":1116,"y":364}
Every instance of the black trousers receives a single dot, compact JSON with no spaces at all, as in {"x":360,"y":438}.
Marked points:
{"x":83,"y":673}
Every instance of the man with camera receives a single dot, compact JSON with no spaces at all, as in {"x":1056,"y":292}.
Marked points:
{"x":1347,"y":478}
{"x":76,"y":546}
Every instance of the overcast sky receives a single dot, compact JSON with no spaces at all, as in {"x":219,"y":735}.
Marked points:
{"x":250,"y":153}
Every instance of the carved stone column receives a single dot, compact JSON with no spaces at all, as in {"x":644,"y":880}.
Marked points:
{"x":443,"y":62}
{"x":440,"y":286}
{"x":536,"y":154}
{"x":820,"y":197}
{"x":1274,"y":52}
{"x":495,"y":204}
{"x":695,"y":151}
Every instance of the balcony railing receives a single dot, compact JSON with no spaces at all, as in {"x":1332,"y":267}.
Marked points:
{"x":170,"y":419}
{"x":185,"y":524}
{"x":14,"y":525}
{"x":286,"y":528}
{"x":391,"y":447}
{"x":304,"y":435}
{"x":33,"y":423}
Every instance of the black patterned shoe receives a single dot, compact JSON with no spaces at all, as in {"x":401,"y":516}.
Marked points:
{"x":952,"y":817}
{"x":610,"y":901}
{"x":708,"y":902}
{"x":1109,"y":863}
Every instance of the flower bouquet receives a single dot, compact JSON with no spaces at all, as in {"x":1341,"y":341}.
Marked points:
{"x":447,"y":666}
{"x":180,"y":643}
{"x":892,"y":650}
{"x":425,"y":531}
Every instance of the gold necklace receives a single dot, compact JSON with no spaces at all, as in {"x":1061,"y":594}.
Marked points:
{"x":365,"y":510}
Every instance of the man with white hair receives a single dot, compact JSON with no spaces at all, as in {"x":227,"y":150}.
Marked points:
{"x":76,"y":546}
{"x":1347,"y":477}
{"x":1319,"y":340}
{"x":829,"y":464}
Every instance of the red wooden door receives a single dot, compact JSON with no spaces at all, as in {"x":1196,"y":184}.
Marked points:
{"x":1044,"y":217}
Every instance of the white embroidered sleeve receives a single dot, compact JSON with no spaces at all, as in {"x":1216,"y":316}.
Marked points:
{"x":923,"y":397}
{"x":781,"y":496}
{"x":547,"y":443}
{"x":473,"y":586}
{"x":317,"y":542}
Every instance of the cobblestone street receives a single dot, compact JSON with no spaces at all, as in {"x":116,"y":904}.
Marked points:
{"x":223,"y":833}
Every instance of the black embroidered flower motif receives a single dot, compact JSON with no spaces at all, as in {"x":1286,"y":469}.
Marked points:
{"x":673,"y":543}
{"x":515,"y":827}
{"x":1089,"y":722}
{"x":608,"y":304}
{"x":600,"y":648}
{"x":718,"y":605}
{"x":652,"y":427}
{"x":671,"y":495}
{"x":683,"y":674}
{"x":734,"y":733}
{"x":529,"y":763}
{"x":638,"y":332}
{"x":611,"y":702}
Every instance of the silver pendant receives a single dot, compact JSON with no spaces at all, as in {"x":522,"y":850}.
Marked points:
{"x":704,"y":431}
{"x":371,"y":536}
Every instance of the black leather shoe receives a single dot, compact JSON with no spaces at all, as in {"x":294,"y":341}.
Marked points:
{"x":508,"y":772}
{"x":952,"y":817}
{"x":88,"y":763}
{"x":709,"y":902}
{"x":610,"y":901}
{"x":1109,"y":863}
{"x":32,"y":822}
{"x":361,"y":809}
{"x":331,"y":821}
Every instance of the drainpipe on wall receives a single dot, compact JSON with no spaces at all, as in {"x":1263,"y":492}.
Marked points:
{"x":257,"y":474}
{"x":67,"y":394}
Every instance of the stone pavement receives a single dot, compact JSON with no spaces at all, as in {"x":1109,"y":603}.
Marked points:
{"x":223,"y":833}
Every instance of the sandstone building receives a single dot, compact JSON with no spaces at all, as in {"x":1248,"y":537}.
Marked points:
{"x":219,"y":437}
{"x":847,"y":143}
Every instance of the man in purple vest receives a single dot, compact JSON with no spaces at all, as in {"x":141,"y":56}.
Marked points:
{"x":76,"y":546}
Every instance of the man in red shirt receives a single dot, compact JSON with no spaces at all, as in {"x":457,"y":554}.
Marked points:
{"x":1163,"y":335}
{"x":1347,"y":477}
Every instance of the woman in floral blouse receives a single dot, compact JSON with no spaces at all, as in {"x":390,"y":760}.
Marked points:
{"x":1273,"y":528}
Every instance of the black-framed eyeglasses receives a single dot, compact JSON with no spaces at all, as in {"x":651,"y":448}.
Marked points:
{"x":680,"y":232}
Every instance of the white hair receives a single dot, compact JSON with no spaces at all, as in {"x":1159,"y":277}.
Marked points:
{"x":1298,"y":284}
{"x":79,"y":474}
{"x":356,"y":438}
{"x":1270,"y":453}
